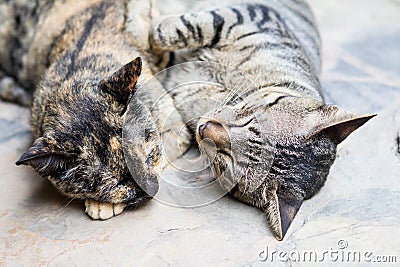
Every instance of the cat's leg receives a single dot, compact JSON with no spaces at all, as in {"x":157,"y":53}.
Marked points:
{"x":140,"y":14}
{"x":10,"y":91}
{"x":210,"y":28}
{"x":139,"y":19}
{"x":175,"y":135}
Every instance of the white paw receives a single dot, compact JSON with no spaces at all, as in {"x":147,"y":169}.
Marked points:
{"x":101,"y":210}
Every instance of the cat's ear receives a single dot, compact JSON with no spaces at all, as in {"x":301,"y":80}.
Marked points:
{"x":121,"y":84}
{"x":281,"y":211}
{"x":338,"y":131}
{"x":37,"y":150}
{"x":43,"y":159}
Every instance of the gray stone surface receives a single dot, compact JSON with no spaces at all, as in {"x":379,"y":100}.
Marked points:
{"x":356,"y":212}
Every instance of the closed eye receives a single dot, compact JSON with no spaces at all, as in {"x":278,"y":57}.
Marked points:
{"x":241,"y":125}
{"x":49,"y":165}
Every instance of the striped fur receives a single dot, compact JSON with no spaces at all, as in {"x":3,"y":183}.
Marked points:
{"x":264,"y":111}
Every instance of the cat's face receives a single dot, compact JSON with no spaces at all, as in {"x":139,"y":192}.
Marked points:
{"x":80,"y":149}
{"x":278,"y":149}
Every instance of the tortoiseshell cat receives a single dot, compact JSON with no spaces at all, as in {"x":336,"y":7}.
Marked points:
{"x":277,"y":138}
{"x":78,"y":55}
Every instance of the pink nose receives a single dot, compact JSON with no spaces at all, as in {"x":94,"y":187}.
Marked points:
{"x":214,"y":131}
{"x":208,"y":129}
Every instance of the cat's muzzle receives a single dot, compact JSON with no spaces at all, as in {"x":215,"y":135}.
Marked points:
{"x":213,"y":131}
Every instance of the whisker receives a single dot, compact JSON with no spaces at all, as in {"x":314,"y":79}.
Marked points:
{"x":230,"y":94}
{"x":69,"y":202}
{"x":239,"y":86}
{"x":249,"y":88}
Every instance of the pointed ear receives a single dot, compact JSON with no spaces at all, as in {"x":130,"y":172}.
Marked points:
{"x":341,"y":130}
{"x":281,"y":212}
{"x":122,"y":83}
{"x":37,"y":150}
{"x":288,"y":208}
{"x":41,"y":158}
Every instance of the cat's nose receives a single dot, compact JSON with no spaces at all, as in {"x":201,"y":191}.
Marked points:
{"x":214,"y":131}
{"x":206,"y":129}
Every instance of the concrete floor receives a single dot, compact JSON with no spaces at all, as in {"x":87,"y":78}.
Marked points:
{"x":356,"y":212}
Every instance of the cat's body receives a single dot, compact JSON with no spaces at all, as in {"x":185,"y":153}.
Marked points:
{"x":275,"y":140}
{"x":274,"y":137}
{"x":79,"y":56}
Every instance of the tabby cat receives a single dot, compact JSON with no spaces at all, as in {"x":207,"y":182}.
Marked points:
{"x":78,"y":55}
{"x":272,"y":140}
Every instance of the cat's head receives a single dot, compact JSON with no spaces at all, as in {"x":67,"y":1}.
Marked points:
{"x":278,"y":148}
{"x":79,"y":130}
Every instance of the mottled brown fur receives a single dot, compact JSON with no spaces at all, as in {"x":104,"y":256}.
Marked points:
{"x":80,"y":59}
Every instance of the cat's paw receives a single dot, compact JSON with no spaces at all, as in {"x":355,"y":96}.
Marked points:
{"x":101,"y":210}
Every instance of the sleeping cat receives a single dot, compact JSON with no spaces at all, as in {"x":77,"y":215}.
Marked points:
{"x":83,"y":58}
{"x":272,"y":140}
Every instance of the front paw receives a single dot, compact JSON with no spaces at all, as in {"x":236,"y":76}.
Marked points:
{"x":101,"y":210}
